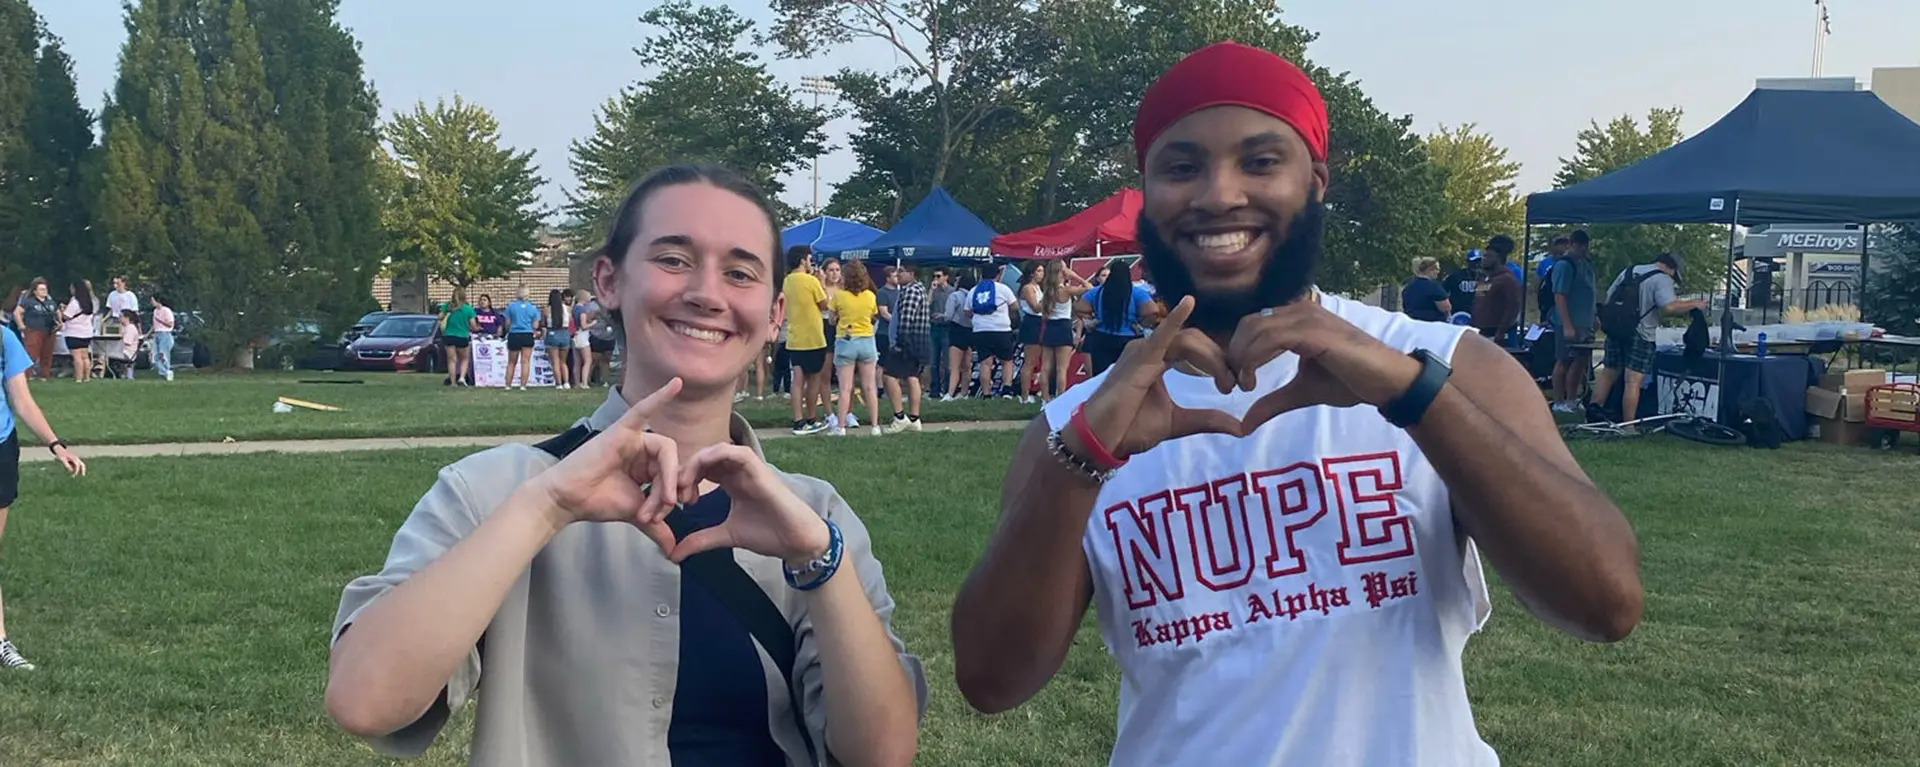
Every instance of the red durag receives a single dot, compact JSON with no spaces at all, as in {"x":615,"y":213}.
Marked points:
{"x":1229,"y":73}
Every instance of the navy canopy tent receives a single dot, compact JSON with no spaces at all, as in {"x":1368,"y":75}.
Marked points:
{"x":1780,"y":157}
{"x":937,"y":231}
{"x":828,"y":233}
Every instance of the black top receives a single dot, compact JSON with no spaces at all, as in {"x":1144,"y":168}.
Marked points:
{"x":720,"y":699}
{"x":1421,"y":298}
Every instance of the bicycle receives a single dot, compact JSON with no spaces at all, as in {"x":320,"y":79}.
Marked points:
{"x":1684,"y":422}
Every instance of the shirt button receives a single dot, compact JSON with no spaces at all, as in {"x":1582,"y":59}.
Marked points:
{"x":659,"y":702}
{"x":662,"y":611}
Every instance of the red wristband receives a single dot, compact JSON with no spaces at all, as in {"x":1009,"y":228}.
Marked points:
{"x":1101,"y":457}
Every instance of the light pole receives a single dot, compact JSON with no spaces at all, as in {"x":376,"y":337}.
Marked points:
{"x":1822,"y":26}
{"x":818,"y":86}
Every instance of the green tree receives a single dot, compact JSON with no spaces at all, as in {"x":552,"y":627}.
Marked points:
{"x":44,"y":207}
{"x":1623,"y":141}
{"x":1480,"y":197}
{"x":463,"y":208}
{"x":964,"y":56}
{"x":195,"y":175}
{"x":1893,"y":300}
{"x":712,"y":100}
{"x":329,"y":116}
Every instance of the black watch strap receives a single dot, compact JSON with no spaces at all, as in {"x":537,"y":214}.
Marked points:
{"x":54,"y":446}
{"x":1407,"y":410}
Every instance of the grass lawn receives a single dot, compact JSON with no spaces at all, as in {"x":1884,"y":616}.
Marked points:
{"x":209,"y":407}
{"x":179,"y":608}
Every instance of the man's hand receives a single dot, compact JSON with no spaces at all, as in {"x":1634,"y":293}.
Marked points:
{"x":1132,"y":412}
{"x":1340,"y":364}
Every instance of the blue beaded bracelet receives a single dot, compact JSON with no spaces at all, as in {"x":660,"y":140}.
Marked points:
{"x":819,"y":570}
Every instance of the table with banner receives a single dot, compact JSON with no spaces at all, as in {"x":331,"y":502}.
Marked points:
{"x":490,"y":363}
{"x":1692,"y":386}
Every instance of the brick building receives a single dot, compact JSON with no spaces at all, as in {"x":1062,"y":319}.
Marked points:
{"x":551,"y":267}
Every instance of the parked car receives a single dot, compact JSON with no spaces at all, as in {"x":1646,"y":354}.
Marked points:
{"x":364,"y":325}
{"x":299,"y":346}
{"x":399,"y":342}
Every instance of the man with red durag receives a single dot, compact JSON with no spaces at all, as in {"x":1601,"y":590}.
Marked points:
{"x":1277,"y":500}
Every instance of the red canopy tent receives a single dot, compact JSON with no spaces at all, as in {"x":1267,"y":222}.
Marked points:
{"x":1102,"y":231}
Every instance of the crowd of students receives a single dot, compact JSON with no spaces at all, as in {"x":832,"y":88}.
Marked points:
{"x":45,"y":325}
{"x":992,"y":332}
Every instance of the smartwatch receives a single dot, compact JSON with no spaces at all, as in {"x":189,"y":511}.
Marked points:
{"x":1407,"y":409}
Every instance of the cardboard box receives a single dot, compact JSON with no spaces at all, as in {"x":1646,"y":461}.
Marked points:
{"x":1837,"y":418}
{"x":1835,"y":432}
{"x":1855,"y":410}
{"x":1853,"y":380}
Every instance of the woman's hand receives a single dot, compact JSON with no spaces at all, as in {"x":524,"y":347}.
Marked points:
{"x":624,"y":474}
{"x":766,"y":518}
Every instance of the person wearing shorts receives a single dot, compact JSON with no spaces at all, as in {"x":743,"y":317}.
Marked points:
{"x":559,"y":335}
{"x":807,"y":335}
{"x":522,"y":319}
{"x":993,"y":338}
{"x":855,"y":354}
{"x":15,"y":398}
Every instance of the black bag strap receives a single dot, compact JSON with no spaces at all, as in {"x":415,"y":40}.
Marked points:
{"x":716,"y":571}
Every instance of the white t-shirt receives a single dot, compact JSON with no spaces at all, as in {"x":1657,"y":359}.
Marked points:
{"x":1001,"y":320}
{"x":122,"y":300}
{"x":1297,"y":596}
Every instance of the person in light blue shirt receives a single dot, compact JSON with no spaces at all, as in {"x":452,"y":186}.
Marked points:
{"x":15,"y":398}
{"x":523,"y":320}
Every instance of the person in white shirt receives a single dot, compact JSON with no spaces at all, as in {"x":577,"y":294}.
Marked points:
{"x":993,"y":331}
{"x":122,"y":300}
{"x":1276,"y":501}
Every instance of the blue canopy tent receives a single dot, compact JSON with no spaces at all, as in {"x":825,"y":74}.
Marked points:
{"x":828,"y":233}
{"x":1781,"y":156}
{"x":938,"y":231}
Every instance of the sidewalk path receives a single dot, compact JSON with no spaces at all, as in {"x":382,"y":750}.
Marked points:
{"x":35,"y":453}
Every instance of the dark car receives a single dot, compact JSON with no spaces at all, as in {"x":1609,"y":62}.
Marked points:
{"x":399,"y":342}
{"x":365,"y":325}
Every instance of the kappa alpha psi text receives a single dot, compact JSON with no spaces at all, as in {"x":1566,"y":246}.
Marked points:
{"x":1221,"y":534}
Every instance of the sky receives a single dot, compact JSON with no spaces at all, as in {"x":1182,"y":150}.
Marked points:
{"x":1530,"y":73}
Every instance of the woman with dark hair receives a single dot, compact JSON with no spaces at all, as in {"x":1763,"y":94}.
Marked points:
{"x":1118,"y":310}
{"x":77,"y":328}
{"x":486,"y":321}
{"x":163,"y":326}
{"x":559,"y":321}
{"x":855,"y":353}
{"x":609,"y":593}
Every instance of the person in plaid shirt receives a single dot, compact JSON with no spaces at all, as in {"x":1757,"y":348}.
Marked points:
{"x":908,"y":348}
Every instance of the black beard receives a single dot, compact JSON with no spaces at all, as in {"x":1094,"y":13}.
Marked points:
{"x":1286,"y":274}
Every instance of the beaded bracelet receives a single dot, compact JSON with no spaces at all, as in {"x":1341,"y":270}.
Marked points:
{"x":822,"y":568}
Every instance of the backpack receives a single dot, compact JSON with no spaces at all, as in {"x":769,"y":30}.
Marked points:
{"x":985,"y":298}
{"x":1620,"y":315}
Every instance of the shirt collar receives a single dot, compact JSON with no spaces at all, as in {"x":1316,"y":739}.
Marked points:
{"x":739,"y":431}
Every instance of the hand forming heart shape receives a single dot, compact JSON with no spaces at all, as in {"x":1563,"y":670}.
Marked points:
{"x":1340,"y":366}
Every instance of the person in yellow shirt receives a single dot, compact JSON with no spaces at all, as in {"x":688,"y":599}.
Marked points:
{"x":854,"y":350}
{"x":806,"y":339}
